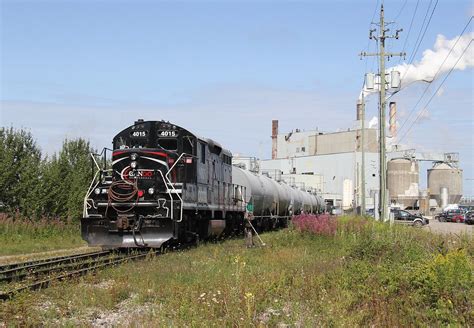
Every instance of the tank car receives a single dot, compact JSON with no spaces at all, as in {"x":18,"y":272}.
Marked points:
{"x":168,"y":184}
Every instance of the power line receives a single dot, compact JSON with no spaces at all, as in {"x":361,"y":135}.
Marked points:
{"x":418,"y":43}
{"x":424,"y":32}
{"x":436,"y":74}
{"x":368,"y":42}
{"x":436,"y":92}
{"x":409,"y":29}
{"x":401,"y":9}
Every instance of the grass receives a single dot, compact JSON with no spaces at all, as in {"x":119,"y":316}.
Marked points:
{"x":20,"y":236}
{"x":362,"y":274}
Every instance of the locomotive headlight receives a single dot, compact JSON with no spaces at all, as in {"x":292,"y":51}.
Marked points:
{"x":134,"y":157}
{"x":151,"y":191}
{"x":133,"y":164}
{"x":97,"y":191}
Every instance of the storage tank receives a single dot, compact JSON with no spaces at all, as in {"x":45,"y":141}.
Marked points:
{"x":403,"y":179}
{"x":347,"y":194}
{"x":444,"y":194}
{"x":444,"y":175}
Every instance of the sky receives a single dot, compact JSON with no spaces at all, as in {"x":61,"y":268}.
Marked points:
{"x":223,"y":69}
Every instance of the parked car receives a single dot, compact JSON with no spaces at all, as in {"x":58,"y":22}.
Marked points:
{"x":455,"y":215}
{"x":469,"y":217}
{"x":467,"y":208}
{"x":370,"y":212}
{"x":407,"y":218}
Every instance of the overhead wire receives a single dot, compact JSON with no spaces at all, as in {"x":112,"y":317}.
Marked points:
{"x":436,"y":92}
{"x":401,"y":9}
{"x":409,"y":29}
{"x":368,"y":45}
{"x":422,"y":34}
{"x":435,"y":76}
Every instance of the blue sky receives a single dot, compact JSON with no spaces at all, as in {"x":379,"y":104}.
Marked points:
{"x":224,"y":69}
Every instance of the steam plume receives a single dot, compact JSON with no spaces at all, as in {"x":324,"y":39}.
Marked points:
{"x":426,"y":69}
{"x":432,"y":59}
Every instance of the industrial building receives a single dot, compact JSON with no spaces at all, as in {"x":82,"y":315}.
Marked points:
{"x":326,"y":162}
{"x":330,"y":163}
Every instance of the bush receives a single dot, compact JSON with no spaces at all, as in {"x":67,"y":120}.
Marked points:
{"x":442,"y":283}
{"x":315,"y":224}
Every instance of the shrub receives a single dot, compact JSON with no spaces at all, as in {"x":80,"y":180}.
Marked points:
{"x":442,"y":283}
{"x":316,"y":224}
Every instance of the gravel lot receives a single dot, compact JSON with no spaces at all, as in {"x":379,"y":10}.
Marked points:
{"x":449,"y":227}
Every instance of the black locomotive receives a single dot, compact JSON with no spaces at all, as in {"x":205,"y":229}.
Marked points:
{"x":165,"y":183}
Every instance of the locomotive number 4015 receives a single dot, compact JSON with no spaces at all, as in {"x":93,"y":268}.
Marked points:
{"x":167,"y":133}
{"x":138,"y":134}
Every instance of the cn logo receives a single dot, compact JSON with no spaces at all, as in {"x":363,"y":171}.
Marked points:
{"x":128,"y":174}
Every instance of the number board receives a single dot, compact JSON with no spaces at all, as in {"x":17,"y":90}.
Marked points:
{"x":167,"y":133}
{"x":138,"y":134}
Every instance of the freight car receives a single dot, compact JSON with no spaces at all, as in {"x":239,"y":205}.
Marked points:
{"x":167,"y":184}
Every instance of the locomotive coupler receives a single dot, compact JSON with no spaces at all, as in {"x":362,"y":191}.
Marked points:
{"x":122,"y":223}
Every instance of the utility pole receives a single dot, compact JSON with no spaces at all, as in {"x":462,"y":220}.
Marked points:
{"x":362,"y":139}
{"x":383,"y":201}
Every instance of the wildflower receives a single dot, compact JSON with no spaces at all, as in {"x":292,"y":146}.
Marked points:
{"x":248,"y":295}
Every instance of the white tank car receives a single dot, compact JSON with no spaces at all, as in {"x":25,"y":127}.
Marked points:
{"x":284,"y":198}
{"x":290,"y":195}
{"x":259,"y":191}
{"x":272,"y":198}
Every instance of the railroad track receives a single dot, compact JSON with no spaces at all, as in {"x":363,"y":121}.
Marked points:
{"x":33,"y":275}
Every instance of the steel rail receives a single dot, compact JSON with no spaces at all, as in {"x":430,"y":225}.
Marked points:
{"x":53,"y":266}
{"x":92,"y":267}
{"x":9,"y":269}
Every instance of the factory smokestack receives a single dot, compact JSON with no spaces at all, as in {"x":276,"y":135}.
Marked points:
{"x":393,"y":119}
{"x":274,"y":138}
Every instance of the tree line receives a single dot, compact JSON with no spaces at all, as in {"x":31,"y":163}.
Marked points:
{"x":34,"y":185}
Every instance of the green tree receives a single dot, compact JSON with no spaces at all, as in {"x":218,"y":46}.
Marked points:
{"x":66,"y":177}
{"x":20,"y":163}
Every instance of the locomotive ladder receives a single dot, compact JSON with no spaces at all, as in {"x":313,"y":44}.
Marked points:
{"x":173,"y":190}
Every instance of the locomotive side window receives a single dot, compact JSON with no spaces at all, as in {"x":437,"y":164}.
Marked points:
{"x":227,"y":159}
{"x":203,"y":153}
{"x":188,"y":145}
{"x":168,"y":143}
